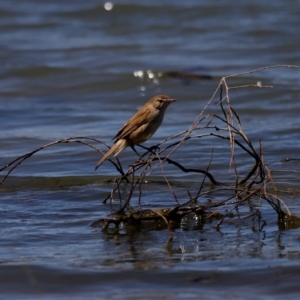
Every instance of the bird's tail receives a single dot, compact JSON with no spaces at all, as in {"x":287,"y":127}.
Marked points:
{"x":119,"y":146}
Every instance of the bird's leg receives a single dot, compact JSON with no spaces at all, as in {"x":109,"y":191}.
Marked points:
{"x":132,"y":147}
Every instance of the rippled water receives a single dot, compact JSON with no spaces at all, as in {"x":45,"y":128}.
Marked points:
{"x":82,"y":69}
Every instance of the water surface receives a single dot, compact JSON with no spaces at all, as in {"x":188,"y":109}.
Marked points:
{"x":79,"y":69}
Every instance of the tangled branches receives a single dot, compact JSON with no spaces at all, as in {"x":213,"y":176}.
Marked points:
{"x":256,"y":184}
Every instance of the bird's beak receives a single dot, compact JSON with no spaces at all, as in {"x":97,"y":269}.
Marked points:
{"x":170,"y":100}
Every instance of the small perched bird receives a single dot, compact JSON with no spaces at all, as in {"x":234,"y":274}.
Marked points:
{"x":140,"y":127}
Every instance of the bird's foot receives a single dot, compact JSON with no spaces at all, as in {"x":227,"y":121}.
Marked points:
{"x":154,"y":149}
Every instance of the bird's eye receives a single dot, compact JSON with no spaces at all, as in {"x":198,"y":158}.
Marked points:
{"x":160,"y":101}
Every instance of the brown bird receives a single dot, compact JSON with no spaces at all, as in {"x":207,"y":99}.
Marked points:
{"x":140,"y":127}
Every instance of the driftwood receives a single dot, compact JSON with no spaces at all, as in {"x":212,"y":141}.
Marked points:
{"x":226,"y":126}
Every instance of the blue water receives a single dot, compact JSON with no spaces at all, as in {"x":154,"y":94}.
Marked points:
{"x":79,"y":69}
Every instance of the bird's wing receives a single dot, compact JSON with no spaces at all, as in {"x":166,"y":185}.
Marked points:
{"x":139,"y":119}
